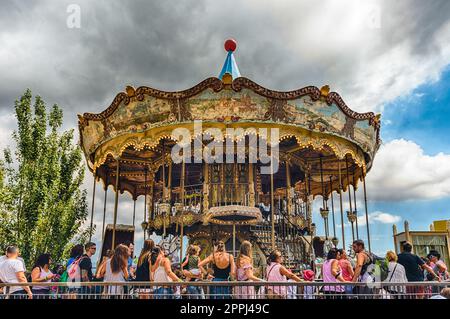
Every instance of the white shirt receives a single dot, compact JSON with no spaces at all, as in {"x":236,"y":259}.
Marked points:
{"x":2,"y":258}
{"x":8,"y":270}
{"x":397,"y":274}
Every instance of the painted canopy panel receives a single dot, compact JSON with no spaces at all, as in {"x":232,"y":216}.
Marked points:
{"x":242,"y":101}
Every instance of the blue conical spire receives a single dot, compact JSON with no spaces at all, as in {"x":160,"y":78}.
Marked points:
{"x":230,"y":65}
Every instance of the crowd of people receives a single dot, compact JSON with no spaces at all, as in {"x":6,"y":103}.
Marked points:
{"x":153,"y":265}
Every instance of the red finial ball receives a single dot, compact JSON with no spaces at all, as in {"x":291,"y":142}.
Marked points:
{"x":230,"y":45}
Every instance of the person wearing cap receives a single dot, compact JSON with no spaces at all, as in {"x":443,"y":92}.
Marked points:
{"x":439,"y":266}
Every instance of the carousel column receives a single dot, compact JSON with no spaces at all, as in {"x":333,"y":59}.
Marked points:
{"x":332,"y":207}
{"x":104,"y":202}
{"x":341,"y":205}
{"x":309,"y":201}
{"x":145,"y":200}
{"x":272,"y":205}
{"x":93,"y":206}
{"x":366,"y":209}
{"x":182,"y":182}
{"x":116,"y":202}
{"x":288,"y":189}
{"x":350,"y":213}
{"x":164,"y":189}
{"x":251,"y":186}
{"x":234,"y":239}
{"x":134,"y":210}
{"x":150,"y":201}
{"x":324,"y":210}
{"x":354,"y":202}
{"x":205,"y":188}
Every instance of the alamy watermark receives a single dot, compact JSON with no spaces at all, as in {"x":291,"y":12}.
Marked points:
{"x":73,"y":20}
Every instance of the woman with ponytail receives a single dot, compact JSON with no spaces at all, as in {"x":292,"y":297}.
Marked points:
{"x":223,"y":269}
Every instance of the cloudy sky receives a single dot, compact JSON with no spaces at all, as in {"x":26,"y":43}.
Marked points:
{"x":385,"y":56}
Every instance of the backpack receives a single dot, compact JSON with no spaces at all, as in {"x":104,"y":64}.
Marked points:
{"x":73,"y":270}
{"x":378,"y":267}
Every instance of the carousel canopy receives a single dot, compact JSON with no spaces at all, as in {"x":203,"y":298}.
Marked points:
{"x":314,"y":124}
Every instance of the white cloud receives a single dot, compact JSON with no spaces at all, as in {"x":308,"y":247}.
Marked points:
{"x":402,"y":171}
{"x":378,"y":217}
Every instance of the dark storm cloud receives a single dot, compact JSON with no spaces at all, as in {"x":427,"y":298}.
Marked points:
{"x":174,"y":45}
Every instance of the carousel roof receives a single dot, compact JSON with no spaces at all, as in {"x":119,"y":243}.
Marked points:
{"x":317,"y":120}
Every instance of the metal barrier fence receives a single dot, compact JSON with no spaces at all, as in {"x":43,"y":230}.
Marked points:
{"x":223,"y":290}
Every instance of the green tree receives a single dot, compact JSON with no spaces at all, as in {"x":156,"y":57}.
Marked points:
{"x":42,"y":207}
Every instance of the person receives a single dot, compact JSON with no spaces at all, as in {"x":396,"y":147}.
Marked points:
{"x":86,"y":268}
{"x":309,"y":292}
{"x":439,"y":266}
{"x":223,"y":269}
{"x":143,"y":268}
{"x":332,"y":273}
{"x":86,"y":262}
{"x":414,"y":266}
{"x":361,"y":273}
{"x":444,"y":294}
{"x":99,"y":273}
{"x":131,"y":266}
{"x":12,"y":271}
{"x":116,"y":270}
{"x":347,"y":270}
{"x":41,"y":273}
{"x":75,"y":253}
{"x":276,"y":272}
{"x":192,"y":271}
{"x":396,"y":274}
{"x":161,"y":271}
{"x":244,"y":272}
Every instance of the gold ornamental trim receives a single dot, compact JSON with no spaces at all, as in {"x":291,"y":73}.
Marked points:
{"x":151,"y":138}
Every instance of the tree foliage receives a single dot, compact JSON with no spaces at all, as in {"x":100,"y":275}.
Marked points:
{"x":42,"y":207}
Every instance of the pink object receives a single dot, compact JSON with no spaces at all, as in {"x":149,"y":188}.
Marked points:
{"x":308,"y":275}
{"x":230,"y":45}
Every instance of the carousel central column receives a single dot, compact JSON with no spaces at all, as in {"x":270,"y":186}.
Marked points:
{"x":116,"y":202}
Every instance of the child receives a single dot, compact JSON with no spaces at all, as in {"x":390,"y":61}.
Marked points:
{"x":193,"y":272}
{"x":308,"y":291}
{"x":191,"y":262}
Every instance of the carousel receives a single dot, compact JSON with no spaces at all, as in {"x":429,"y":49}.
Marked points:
{"x":324,"y":151}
